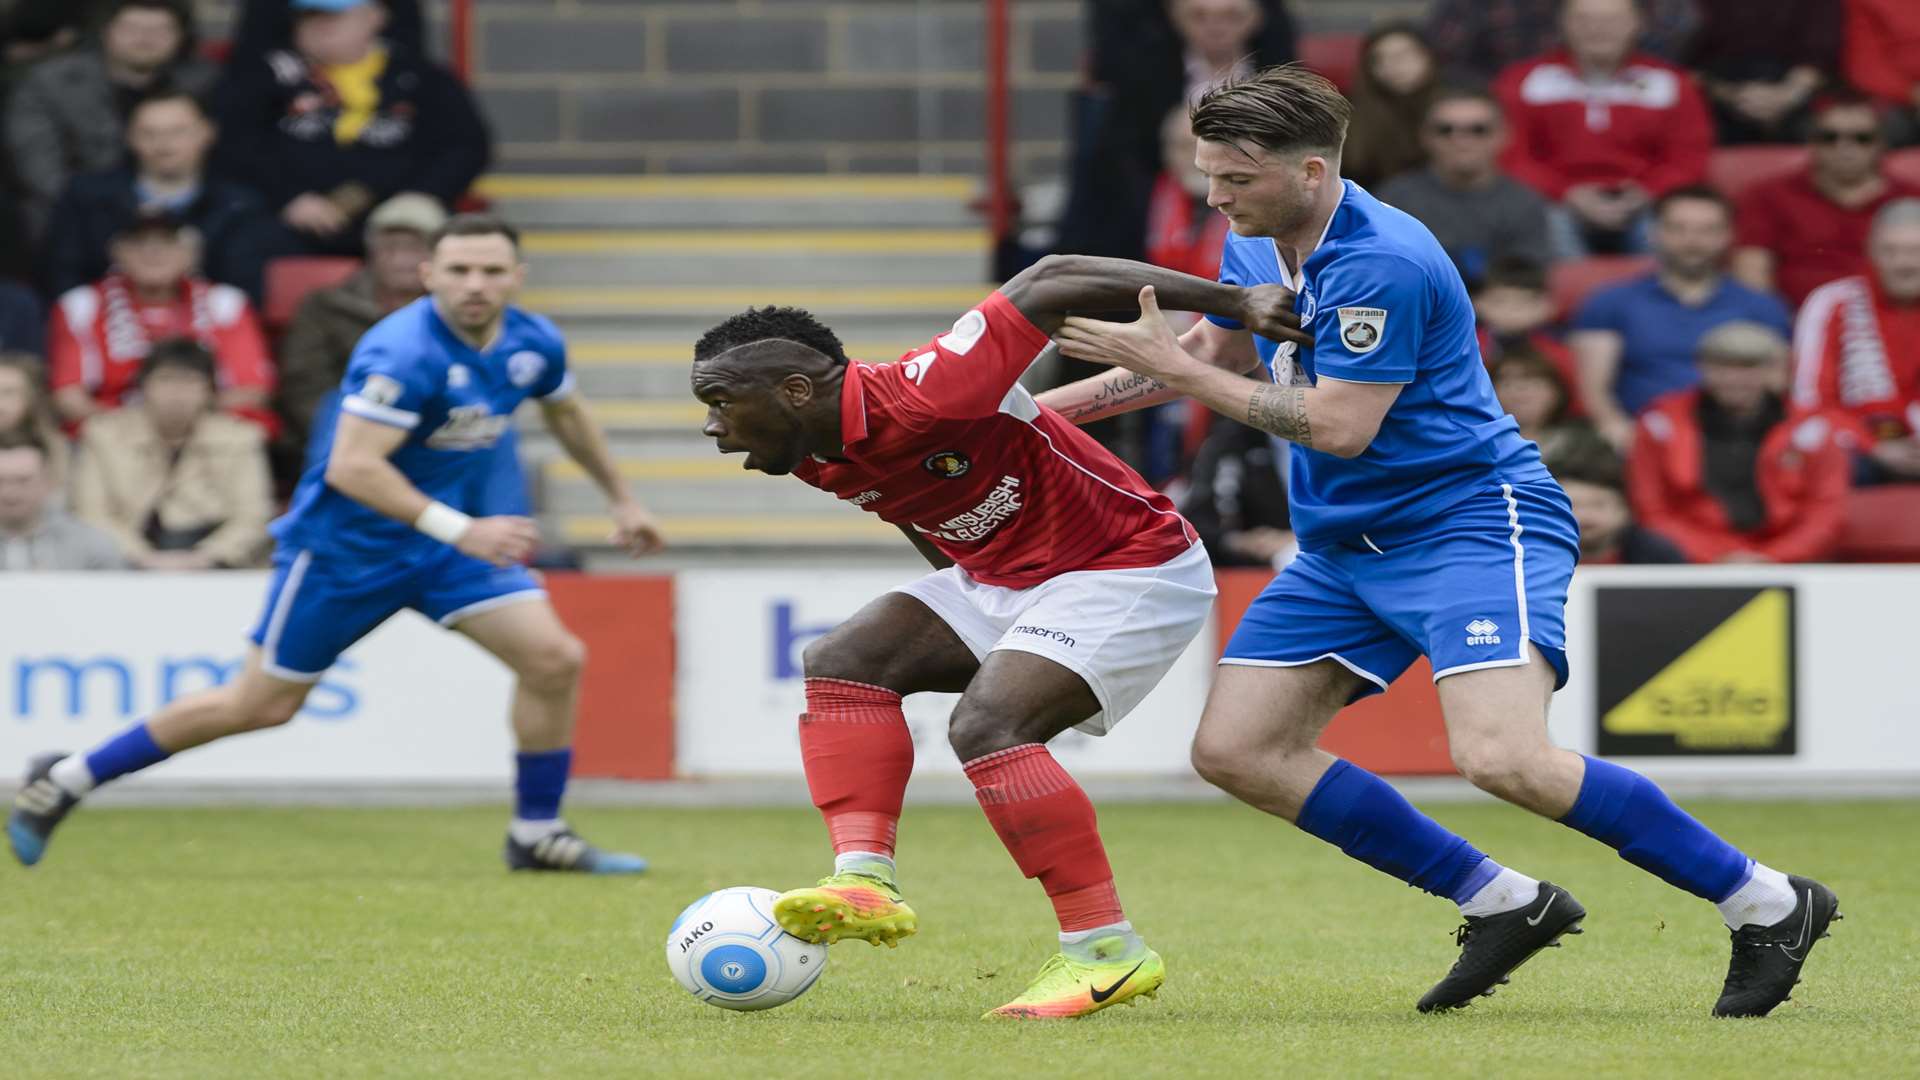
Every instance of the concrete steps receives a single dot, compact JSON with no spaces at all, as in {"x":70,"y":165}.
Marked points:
{"x":635,"y":269}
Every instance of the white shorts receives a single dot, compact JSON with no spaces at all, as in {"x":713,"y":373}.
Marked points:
{"x":1120,"y":630}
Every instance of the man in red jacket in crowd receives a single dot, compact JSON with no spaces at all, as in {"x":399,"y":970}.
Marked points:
{"x":1728,"y":472}
{"x":1802,"y":230}
{"x":100,"y":334}
{"x":1857,"y":348}
{"x":1602,"y":129}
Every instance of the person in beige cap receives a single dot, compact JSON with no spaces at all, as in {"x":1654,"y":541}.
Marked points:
{"x":330,"y":321}
{"x":1728,"y":471}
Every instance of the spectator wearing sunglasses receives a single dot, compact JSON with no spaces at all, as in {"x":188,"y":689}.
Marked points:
{"x":1800,"y":231}
{"x":1479,"y":214}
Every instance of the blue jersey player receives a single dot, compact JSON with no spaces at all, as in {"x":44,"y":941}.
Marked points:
{"x":406,"y":510}
{"x":1427,"y":525}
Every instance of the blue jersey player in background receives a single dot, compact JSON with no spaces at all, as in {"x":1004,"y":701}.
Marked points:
{"x":1427,"y":525}
{"x":411,"y":505}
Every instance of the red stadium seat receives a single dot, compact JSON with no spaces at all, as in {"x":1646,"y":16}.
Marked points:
{"x":1570,"y":282}
{"x":291,"y":278}
{"x":1337,"y":56}
{"x":1734,"y":169}
{"x":1883,"y":525}
{"x":1904,"y":165}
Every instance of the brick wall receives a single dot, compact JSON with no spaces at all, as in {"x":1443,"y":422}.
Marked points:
{"x":778,"y":85}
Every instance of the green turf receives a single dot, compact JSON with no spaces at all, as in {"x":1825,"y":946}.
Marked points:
{"x":269,"y":943}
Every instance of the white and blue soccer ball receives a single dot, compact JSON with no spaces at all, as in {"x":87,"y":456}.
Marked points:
{"x":727,"y":950}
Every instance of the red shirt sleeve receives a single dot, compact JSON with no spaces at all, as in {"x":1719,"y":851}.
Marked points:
{"x":967,"y":371}
{"x":64,"y":368}
{"x":1821,"y":515}
{"x":242,"y":349}
{"x":1656,"y":505}
{"x":1521,"y":158}
{"x":1689,"y":139}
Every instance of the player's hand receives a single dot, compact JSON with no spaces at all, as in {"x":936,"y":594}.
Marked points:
{"x":1145,"y":345}
{"x":500,"y":540}
{"x":636,"y":530}
{"x":1267,"y":310}
{"x":313,"y":213}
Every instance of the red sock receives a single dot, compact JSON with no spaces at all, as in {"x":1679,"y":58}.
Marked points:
{"x":858,"y":754}
{"x":1047,"y":822}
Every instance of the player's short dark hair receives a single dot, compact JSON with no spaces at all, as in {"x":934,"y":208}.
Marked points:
{"x":1286,"y":109}
{"x":182,"y":15}
{"x":475,"y":224}
{"x":184,"y":354}
{"x":25,"y":438}
{"x":1583,"y":456}
{"x":1513,"y":272}
{"x":759,"y":324}
{"x":1693,"y":193}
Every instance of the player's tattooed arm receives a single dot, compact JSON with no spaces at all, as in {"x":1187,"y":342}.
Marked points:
{"x":1282,"y":411}
{"x":1117,"y":391}
{"x":1058,"y":285}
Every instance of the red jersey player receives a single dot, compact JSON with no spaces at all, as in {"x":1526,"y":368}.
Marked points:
{"x":1064,"y":589}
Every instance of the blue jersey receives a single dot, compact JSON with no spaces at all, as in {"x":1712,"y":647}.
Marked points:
{"x":412,"y":371}
{"x":1385,"y":305}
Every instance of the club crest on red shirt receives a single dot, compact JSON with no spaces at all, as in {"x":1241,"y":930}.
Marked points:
{"x":948,"y":464}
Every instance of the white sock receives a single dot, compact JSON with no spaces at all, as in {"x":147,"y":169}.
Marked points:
{"x":72,"y":774}
{"x":1081,"y":944}
{"x":870,"y":863}
{"x":532,"y":831}
{"x":1510,"y":889}
{"x":1765,"y":899}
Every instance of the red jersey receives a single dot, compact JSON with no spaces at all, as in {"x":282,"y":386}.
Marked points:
{"x":1882,"y":51}
{"x":1647,"y":124}
{"x":1858,"y":352}
{"x":1813,"y":239}
{"x":100,"y":334}
{"x":947,"y":443}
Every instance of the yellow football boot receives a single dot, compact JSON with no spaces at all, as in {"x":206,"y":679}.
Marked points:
{"x":846,"y":907}
{"x":1067,"y":988}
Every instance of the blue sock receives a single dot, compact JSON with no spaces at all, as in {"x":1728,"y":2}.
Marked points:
{"x":540,"y":783}
{"x":130,"y":751}
{"x":1363,"y":816}
{"x":1625,"y":811}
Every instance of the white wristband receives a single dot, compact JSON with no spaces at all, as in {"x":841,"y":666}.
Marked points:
{"x":443,"y":523}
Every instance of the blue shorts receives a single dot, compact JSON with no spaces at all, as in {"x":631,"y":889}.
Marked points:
{"x":316,"y":610}
{"x":1469,"y":591}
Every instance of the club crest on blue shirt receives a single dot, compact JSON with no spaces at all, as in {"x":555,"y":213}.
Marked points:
{"x":524,"y":367}
{"x":1304,"y":305}
{"x":1361,"y":328}
{"x":458,"y":376}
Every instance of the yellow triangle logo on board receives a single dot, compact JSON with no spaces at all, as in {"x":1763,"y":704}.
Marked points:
{"x":1731,"y":690}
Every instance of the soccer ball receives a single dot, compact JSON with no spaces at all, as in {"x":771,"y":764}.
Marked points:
{"x":727,"y":950}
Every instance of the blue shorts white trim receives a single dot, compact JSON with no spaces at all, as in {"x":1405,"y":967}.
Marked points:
{"x":1469,"y":591}
{"x":316,"y":611}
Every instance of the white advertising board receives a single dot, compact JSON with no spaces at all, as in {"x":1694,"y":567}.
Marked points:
{"x":739,"y":689}
{"x":83,"y":655}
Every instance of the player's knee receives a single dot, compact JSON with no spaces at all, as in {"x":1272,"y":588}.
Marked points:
{"x":262,"y":711}
{"x":555,"y":665}
{"x":1218,"y":760}
{"x":837,"y":655}
{"x":977,"y":729}
{"x":1492,"y":765}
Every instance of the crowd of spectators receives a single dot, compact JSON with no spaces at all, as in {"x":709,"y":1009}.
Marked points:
{"x":1712,"y":351}
{"x":146,"y":415}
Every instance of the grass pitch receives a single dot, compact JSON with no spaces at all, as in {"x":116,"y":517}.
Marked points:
{"x":390,"y":943}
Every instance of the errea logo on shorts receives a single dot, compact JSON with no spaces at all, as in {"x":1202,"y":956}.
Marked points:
{"x":1483,"y":632}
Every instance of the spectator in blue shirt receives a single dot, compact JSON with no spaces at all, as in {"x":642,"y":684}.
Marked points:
{"x":1636,"y":341}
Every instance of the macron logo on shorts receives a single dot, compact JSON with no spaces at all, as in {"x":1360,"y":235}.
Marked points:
{"x":1483,"y":632}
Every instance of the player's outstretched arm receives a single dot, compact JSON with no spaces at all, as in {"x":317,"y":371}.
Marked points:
{"x":1118,"y":390}
{"x":1336,"y":417}
{"x":1060,"y":285}
{"x":359,"y":469}
{"x":572,"y":425}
